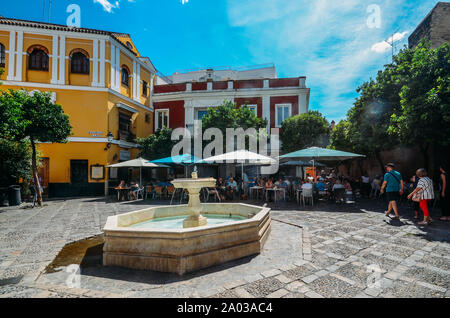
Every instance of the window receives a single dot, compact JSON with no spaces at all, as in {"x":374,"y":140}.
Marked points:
{"x":144,"y":88}
{"x":79,"y":63}
{"x":129,"y":45}
{"x":124,"y":122}
{"x":147,"y":118}
{"x":2,"y":55}
{"x":253,"y":108}
{"x":38,"y":60}
{"x":282,"y":112}
{"x":201,"y":114}
{"x":125,"y":76}
{"x":162,"y":118}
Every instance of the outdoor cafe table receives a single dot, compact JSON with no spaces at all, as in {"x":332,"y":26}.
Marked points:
{"x":275,"y":190}
{"x":122,"y":189}
{"x":256,"y":188}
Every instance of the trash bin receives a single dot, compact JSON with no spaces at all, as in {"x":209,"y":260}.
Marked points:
{"x":4,"y":197}
{"x":14,"y":195}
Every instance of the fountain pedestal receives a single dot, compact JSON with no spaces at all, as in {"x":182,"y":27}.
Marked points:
{"x":194,"y":186}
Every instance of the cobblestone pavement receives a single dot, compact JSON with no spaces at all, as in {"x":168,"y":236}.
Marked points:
{"x":325,"y":251}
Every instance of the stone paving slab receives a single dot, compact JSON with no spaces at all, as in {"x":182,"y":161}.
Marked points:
{"x":320,"y":251}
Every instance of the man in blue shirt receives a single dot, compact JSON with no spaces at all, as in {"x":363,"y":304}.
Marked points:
{"x":393,"y":185}
{"x":320,"y":186}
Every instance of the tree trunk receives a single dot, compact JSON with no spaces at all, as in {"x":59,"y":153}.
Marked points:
{"x":35,"y":173}
{"x":360,"y":165}
{"x":380,"y":162}
{"x":426,"y":159}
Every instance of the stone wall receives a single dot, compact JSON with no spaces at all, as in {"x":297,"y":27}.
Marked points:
{"x":435,"y":27}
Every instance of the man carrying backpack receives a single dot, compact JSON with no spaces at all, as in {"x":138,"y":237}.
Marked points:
{"x":393,"y":186}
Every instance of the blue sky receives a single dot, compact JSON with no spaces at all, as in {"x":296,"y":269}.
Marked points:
{"x":328,"y":41}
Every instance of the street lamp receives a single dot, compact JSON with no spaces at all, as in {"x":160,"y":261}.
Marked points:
{"x":110,"y":138}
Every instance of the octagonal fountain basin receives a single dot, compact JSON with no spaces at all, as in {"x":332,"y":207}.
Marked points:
{"x":156,"y":239}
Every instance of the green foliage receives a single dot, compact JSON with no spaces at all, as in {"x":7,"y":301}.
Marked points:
{"x":340,"y":137}
{"x":157,"y":146}
{"x":15,"y":162}
{"x":424,"y":116}
{"x":228,"y":115}
{"x":33,"y":116}
{"x":407,"y":104}
{"x":304,"y":130}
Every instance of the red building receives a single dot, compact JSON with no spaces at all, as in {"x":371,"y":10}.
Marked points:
{"x":185,"y":97}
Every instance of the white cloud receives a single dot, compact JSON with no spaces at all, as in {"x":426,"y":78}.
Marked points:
{"x":385,"y":46}
{"x":327,"y":41}
{"x":381,"y":47}
{"x":109,"y":5}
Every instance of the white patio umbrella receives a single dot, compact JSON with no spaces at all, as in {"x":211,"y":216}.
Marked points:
{"x":241,"y":156}
{"x":138,"y":163}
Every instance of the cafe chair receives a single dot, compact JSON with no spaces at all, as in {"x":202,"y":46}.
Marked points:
{"x":307,"y":194}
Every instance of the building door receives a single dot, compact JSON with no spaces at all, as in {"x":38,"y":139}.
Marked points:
{"x":79,"y":177}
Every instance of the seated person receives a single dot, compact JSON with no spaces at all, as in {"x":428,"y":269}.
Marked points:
{"x":232,"y":188}
{"x":121,"y":188}
{"x":134,"y":189}
{"x":220,"y":187}
{"x":252,"y":183}
{"x":320,"y":186}
{"x":307,"y":185}
{"x":284,"y":185}
{"x":261,"y":182}
{"x":348,"y":186}
{"x":269,"y":185}
{"x":338,"y":185}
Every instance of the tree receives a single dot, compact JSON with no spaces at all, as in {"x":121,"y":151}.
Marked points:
{"x":340,"y":138}
{"x":157,"y":146}
{"x":424,"y":116}
{"x":16,"y":164}
{"x":304,"y":130}
{"x":228,"y":115}
{"x":33,"y":117}
{"x":407,"y":104}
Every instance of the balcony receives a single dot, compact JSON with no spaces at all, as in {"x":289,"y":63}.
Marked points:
{"x":126,"y":136}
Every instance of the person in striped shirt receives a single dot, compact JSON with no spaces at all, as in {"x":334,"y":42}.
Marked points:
{"x":425,"y":187}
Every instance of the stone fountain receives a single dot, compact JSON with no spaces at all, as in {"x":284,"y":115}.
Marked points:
{"x":185,"y":238}
{"x":194,"y":186}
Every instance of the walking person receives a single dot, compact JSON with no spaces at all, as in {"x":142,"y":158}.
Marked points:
{"x":365,"y":185}
{"x":423,"y":193}
{"x":445,"y":193}
{"x":393,"y":186}
{"x":413,"y":186}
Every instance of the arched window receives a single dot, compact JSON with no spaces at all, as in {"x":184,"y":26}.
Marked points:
{"x":2,"y":55}
{"x":125,"y":76}
{"x":38,"y":60}
{"x":79,"y":63}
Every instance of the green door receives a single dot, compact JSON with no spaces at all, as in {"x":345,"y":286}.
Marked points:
{"x":79,"y":177}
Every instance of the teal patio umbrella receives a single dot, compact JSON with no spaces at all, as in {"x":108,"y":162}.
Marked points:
{"x":300,"y":163}
{"x":183,"y":160}
{"x":186,"y":159}
{"x":321,"y":154}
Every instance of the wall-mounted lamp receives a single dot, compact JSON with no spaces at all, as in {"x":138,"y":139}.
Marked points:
{"x":110,"y":137}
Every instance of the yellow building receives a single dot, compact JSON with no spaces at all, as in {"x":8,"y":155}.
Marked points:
{"x":102,"y":83}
